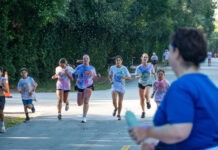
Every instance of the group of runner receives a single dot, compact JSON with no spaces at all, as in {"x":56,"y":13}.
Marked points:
{"x":84,"y":76}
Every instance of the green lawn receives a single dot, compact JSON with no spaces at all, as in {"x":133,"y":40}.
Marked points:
{"x":49,"y":86}
{"x":12,"y":121}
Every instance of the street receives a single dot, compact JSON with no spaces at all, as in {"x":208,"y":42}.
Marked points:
{"x":101,"y":132}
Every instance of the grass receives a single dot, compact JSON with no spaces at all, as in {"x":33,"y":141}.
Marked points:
{"x":12,"y":121}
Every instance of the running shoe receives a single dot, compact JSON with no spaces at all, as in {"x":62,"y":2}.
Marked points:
{"x":84,"y":120}
{"x":2,"y":130}
{"x":33,"y":109}
{"x":59,"y":117}
{"x":143,"y":115}
{"x":148,"y":104}
{"x":118,"y":117}
{"x":67,"y":107}
{"x":27,"y":120}
{"x":114,"y":112}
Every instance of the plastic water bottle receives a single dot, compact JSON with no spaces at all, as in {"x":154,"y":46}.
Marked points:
{"x":131,"y":119}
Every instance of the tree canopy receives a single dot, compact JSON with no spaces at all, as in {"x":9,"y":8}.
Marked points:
{"x":37,"y":33}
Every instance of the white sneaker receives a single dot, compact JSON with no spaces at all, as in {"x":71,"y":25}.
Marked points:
{"x":2,"y":130}
{"x":67,"y":107}
{"x":84,"y":120}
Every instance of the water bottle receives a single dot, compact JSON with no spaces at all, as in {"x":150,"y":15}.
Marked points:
{"x":131,"y":119}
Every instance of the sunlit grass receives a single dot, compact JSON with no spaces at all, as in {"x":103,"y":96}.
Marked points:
{"x":12,"y":121}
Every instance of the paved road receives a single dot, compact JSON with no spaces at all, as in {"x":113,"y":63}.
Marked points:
{"x":101,"y":132}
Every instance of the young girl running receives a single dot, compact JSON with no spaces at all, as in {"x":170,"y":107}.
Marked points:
{"x":84,"y":75}
{"x":63,"y":86}
{"x":160,"y":87}
{"x":117,"y":76}
{"x":143,"y":74}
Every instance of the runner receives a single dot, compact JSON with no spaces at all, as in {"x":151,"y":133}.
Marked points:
{"x":166,"y":57}
{"x":160,"y":87}
{"x":117,"y":76}
{"x":63,"y":73}
{"x":84,"y":75}
{"x":143,"y":74}
{"x":154,"y":61}
{"x":209,"y":57}
{"x":3,"y":89}
{"x":26,"y":86}
{"x":187,"y":116}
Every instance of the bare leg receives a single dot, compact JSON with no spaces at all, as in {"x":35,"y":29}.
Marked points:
{"x":66,"y":95}
{"x":80,"y":98}
{"x":1,"y":116}
{"x":66,"y":101}
{"x":60,"y":94}
{"x":120,"y":104}
{"x":87,"y":95}
{"x":147,"y":96}
{"x":142,"y":99}
{"x":114,"y":98}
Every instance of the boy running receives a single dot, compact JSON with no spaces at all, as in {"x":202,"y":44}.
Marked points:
{"x":26,"y":86}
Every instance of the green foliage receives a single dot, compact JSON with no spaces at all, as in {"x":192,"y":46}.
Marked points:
{"x":37,"y":33}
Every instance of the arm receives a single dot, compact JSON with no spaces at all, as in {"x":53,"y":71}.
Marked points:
{"x":110,"y":79}
{"x":126,"y":77}
{"x":169,"y":133}
{"x":55,"y":76}
{"x":68,"y":75}
{"x":4,"y":87}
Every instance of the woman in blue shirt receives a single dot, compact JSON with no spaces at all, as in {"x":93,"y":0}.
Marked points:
{"x":187,"y":117}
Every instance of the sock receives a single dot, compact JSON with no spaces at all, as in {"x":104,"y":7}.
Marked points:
{"x":27,"y":115}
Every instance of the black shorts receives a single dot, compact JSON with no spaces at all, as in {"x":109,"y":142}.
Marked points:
{"x":2,"y":102}
{"x":142,"y":86}
{"x":81,"y":90}
{"x":65,"y":91}
{"x":154,"y":62}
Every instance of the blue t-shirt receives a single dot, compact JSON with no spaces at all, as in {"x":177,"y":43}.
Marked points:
{"x":26,"y":85}
{"x":84,"y":76}
{"x":193,"y":98}
{"x":146,"y":72}
{"x":118,"y":81}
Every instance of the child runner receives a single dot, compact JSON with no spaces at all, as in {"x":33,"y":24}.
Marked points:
{"x":117,"y":76}
{"x":3,"y":89}
{"x":154,"y":61}
{"x":84,"y":75}
{"x":160,"y":87}
{"x":143,"y":74}
{"x":26,"y":86}
{"x":63,"y":86}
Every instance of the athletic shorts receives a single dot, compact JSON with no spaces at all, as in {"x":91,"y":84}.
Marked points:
{"x":27,"y":102}
{"x":81,"y":90}
{"x":154,"y":62}
{"x":65,"y":91}
{"x":142,"y":86}
{"x":2,"y":102}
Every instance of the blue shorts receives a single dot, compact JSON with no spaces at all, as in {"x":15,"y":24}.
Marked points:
{"x":27,"y":101}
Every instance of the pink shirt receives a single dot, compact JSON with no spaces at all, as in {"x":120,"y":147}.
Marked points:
{"x":161,"y":88}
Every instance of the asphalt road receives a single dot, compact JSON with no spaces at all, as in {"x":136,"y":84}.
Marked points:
{"x":101,"y":132}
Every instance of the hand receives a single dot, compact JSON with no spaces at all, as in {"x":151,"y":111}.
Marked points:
{"x":152,"y":95}
{"x":54,"y":76}
{"x":65,"y":71}
{"x":31,"y":92}
{"x":148,"y":146}
{"x":138,"y":133}
{"x":111,"y":82}
{"x":99,"y":75}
